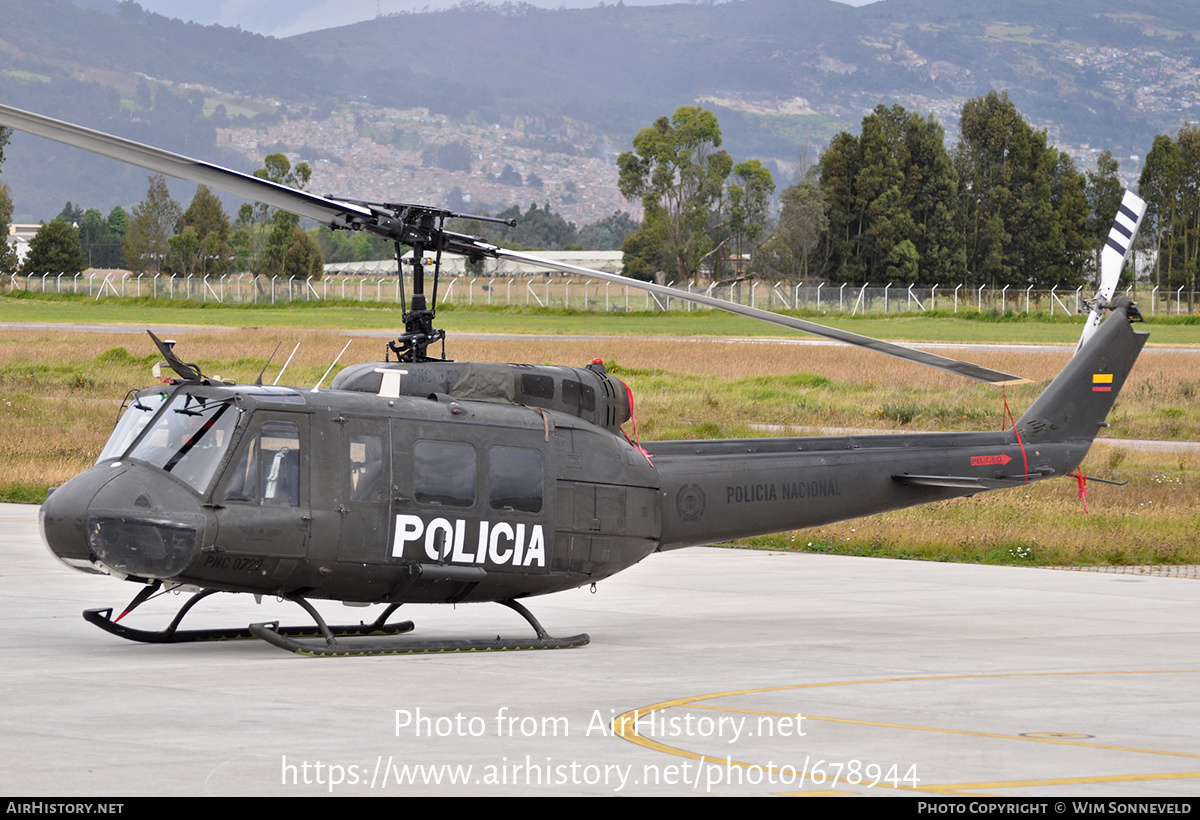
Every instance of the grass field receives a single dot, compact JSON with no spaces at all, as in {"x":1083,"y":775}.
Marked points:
{"x":965,"y":327}
{"x":60,"y":392}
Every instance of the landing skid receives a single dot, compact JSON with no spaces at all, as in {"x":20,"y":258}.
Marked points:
{"x":285,"y":636}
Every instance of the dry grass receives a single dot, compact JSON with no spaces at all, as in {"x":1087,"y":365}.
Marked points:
{"x":1152,"y":520}
{"x":60,"y":393}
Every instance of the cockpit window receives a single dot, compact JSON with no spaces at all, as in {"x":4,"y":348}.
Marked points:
{"x":131,"y":424}
{"x":189,"y":438}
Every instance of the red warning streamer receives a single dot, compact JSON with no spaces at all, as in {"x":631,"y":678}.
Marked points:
{"x":1008,"y":418}
{"x":1082,"y":479}
{"x":635,"y":441}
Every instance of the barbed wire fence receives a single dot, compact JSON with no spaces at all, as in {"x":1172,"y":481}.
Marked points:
{"x":554,"y":290}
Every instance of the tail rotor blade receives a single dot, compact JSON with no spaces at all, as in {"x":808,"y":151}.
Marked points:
{"x":1112,"y":258}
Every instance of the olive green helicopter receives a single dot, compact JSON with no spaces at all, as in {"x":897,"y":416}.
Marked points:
{"x":418,"y":479}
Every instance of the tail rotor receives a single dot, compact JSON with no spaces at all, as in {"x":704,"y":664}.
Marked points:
{"x":1112,"y":259}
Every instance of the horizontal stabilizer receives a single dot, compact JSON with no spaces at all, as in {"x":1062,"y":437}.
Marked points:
{"x":966,"y":482}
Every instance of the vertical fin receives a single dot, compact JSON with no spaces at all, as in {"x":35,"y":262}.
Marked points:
{"x":1076,"y":403}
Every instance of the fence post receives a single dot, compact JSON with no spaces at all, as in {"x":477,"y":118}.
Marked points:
{"x":956,"y":298}
{"x":933,"y":297}
{"x":1027,"y":290}
{"x":529,"y":292}
{"x":862,"y":292}
{"x":782,"y":298}
{"x":1154,"y":300}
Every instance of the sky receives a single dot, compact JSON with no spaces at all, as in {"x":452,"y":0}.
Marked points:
{"x":283,"y":18}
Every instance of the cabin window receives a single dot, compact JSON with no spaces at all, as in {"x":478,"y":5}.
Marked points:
{"x":268,"y":471}
{"x":515,"y":479}
{"x":366,"y":468}
{"x":444,"y":474}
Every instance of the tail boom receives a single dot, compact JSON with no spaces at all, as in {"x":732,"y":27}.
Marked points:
{"x":720,"y":490}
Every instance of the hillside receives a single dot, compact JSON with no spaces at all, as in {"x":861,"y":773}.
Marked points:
{"x":782,"y":75}
{"x":791,"y":70}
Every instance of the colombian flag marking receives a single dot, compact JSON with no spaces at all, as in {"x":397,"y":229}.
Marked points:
{"x":1102,"y":382}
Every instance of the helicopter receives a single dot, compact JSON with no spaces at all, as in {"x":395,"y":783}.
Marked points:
{"x":419,"y":479}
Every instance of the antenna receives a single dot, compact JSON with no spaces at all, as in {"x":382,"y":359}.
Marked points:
{"x":285,"y":364}
{"x":258,"y":381}
{"x":335,"y":361}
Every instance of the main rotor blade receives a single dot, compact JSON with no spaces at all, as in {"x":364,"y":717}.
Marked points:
{"x":362,"y":216}
{"x":972,"y":371}
{"x":326,"y":211}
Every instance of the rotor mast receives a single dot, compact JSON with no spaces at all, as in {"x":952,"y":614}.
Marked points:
{"x":423,"y":229}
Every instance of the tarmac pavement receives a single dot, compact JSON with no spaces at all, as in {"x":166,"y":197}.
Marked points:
{"x":751,"y":673}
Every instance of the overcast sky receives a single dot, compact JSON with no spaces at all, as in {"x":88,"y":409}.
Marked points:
{"x":282,"y":18}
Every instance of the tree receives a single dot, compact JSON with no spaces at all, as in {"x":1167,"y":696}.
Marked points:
{"x":72,"y":214}
{"x":1188,"y":213}
{"x":749,"y":196}
{"x":1023,"y":206}
{"x":263,"y":235}
{"x":155,"y":220}
{"x":118,"y":221}
{"x":644,"y":252}
{"x":54,"y":249}
{"x":509,"y":176}
{"x":609,"y":233}
{"x":894,"y":184}
{"x":302,"y":259}
{"x":8,"y":254}
{"x":1159,"y":185}
{"x":1104,"y":192}
{"x":677,"y":171}
{"x":802,"y":223}
{"x":351,"y":246}
{"x":202,"y":245}
{"x":99,"y":243}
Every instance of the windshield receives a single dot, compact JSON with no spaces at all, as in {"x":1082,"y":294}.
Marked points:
{"x":189,"y":438}
{"x":131,"y":424}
